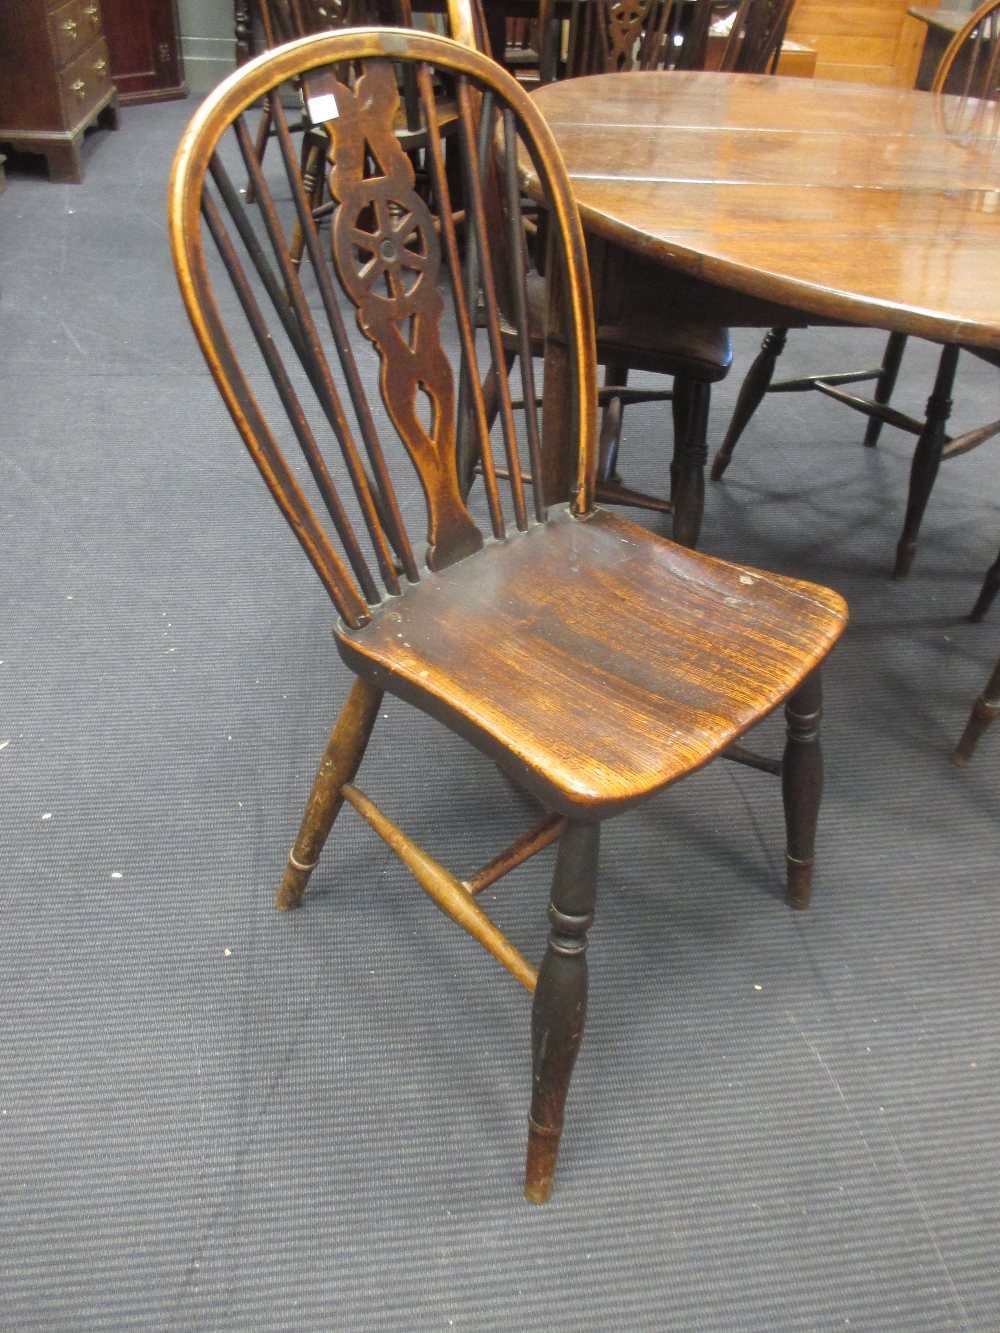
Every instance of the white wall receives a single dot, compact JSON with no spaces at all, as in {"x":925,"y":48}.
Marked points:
{"x":207,"y":41}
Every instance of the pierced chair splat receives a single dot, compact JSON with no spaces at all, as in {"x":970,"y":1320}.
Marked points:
{"x":595,"y":663}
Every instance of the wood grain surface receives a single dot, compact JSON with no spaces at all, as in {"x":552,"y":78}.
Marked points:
{"x":847,"y":203}
{"x":595,"y":662}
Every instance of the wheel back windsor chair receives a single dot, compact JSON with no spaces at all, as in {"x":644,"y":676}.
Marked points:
{"x":969,"y":72}
{"x":593,"y":661}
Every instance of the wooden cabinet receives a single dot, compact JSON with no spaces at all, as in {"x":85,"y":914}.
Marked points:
{"x":145,"y":56}
{"x":860,"y":41}
{"x":55,"y":79}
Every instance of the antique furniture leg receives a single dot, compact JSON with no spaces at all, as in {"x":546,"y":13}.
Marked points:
{"x":341,"y":760}
{"x":63,"y":160}
{"x":615,"y":375}
{"x":690,"y":405}
{"x":884,"y":385}
{"x":991,"y":584}
{"x":313,"y":155}
{"x":926,"y":460}
{"x":984,"y":710}
{"x":802,"y":786}
{"x":243,"y":27}
{"x":751,"y":394}
{"x":108,"y":119}
{"x":560,"y":1004}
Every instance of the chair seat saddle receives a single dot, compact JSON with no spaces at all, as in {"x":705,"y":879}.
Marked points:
{"x":595,"y":699}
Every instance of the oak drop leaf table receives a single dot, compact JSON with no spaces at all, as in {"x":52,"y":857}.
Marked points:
{"x":766,"y":201}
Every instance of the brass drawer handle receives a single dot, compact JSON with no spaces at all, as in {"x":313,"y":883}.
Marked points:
{"x":70,"y":27}
{"x":100,"y":66}
{"x":79,"y":88}
{"x":91,"y":11}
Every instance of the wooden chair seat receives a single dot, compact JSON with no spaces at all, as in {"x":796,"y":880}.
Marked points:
{"x":631,"y":328}
{"x":414,"y":137}
{"x":594,"y":700}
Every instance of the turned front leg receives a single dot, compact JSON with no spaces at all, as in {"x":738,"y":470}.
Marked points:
{"x":341,"y":760}
{"x":560,"y":1004}
{"x":802,"y":786}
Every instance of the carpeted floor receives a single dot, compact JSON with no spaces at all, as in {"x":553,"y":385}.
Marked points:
{"x":213,"y":1116}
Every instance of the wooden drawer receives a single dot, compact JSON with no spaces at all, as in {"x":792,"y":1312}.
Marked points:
{"x":84,"y":82}
{"x":74,"y":27}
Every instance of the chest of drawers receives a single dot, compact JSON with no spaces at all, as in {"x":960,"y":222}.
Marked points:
{"x":54,"y":79}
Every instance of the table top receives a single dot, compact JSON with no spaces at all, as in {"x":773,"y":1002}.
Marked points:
{"x":846,"y":202}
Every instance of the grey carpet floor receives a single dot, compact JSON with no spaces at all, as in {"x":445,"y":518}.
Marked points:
{"x":213,"y":1116}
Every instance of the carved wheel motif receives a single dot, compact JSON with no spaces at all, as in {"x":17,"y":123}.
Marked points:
{"x":384,"y":247}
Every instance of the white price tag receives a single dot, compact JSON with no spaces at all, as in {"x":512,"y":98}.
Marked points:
{"x":321,"y":108}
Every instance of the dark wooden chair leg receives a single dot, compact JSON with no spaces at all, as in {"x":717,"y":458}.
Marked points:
{"x":690,"y":406}
{"x":926,"y":460}
{"x":751,"y":394}
{"x":560,"y":1004}
{"x":312,"y":184}
{"x":341,"y":761}
{"x":615,"y":375}
{"x":984,"y":710}
{"x":886,"y":382}
{"x":802,"y":786}
{"x":991,"y":585}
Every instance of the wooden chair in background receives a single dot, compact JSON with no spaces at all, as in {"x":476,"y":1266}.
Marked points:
{"x":594,"y":662}
{"x":969,"y":71}
{"x":289,"y":20}
{"x":619,"y":35}
{"x":634,"y":299}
